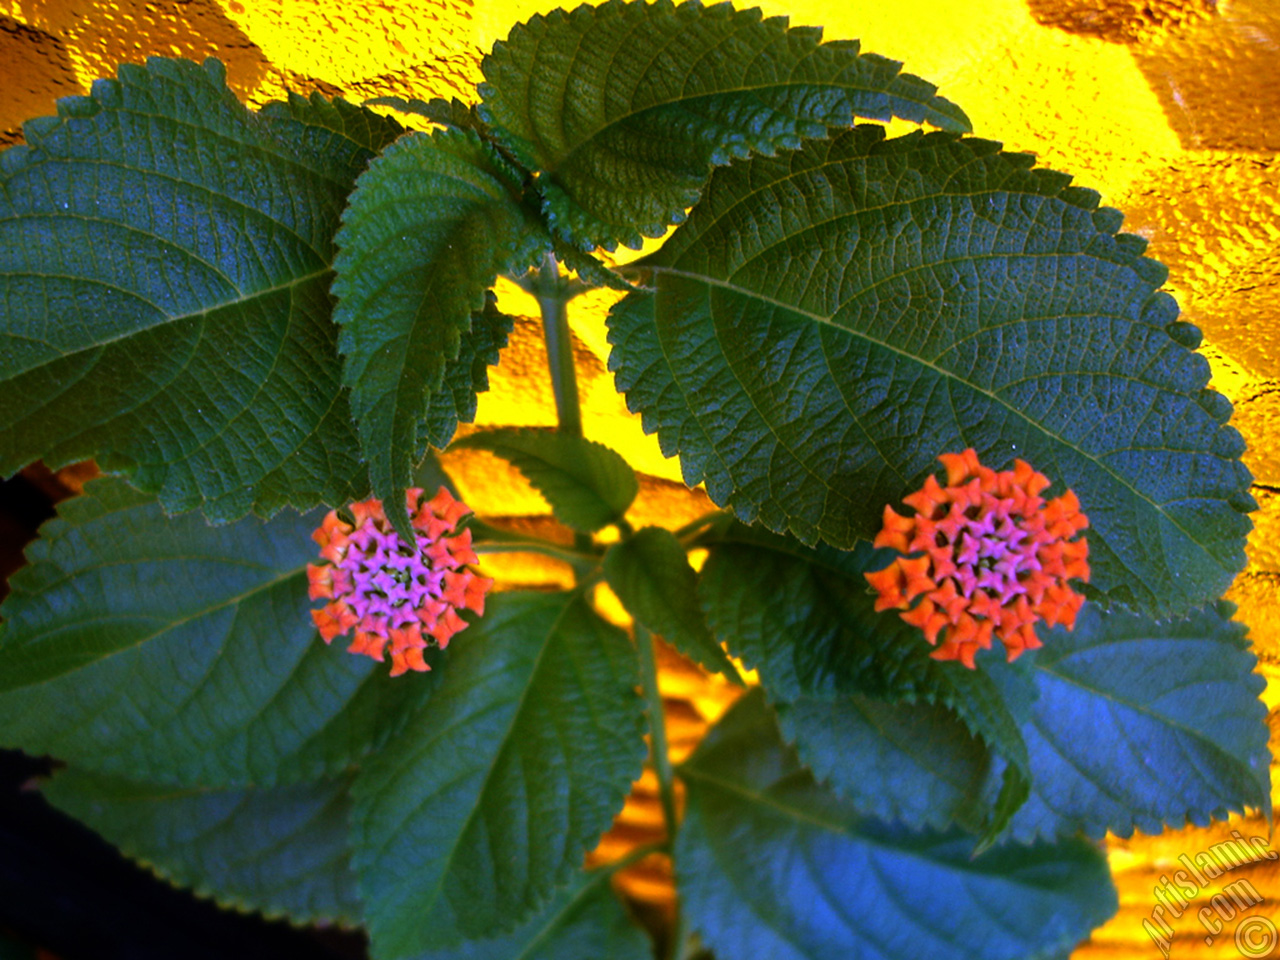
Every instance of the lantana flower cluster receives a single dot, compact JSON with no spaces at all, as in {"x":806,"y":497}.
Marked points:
{"x":389,"y":591}
{"x":985,"y":556}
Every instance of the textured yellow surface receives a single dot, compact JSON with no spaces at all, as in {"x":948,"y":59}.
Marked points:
{"x":1167,"y":107}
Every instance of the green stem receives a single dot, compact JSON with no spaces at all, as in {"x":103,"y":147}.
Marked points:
{"x":552,"y":300}
{"x":657,"y":727}
{"x":687,"y":532}
{"x":648,"y":654}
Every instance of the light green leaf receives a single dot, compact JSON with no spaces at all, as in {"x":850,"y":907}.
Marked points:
{"x":915,"y":764}
{"x":170,"y":651}
{"x":625,"y":108}
{"x":494,"y":791}
{"x":1145,"y":724}
{"x":829,"y":322}
{"x":652,"y":577}
{"x":281,"y":851}
{"x":164,"y":272}
{"x":584,"y":921}
{"x":588,"y":485}
{"x":448,"y":113}
{"x":818,"y":880}
{"x":431,"y":224}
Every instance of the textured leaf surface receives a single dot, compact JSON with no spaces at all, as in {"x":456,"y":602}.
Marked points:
{"x":281,"y":851}
{"x":164,"y":273}
{"x":1142,"y":724}
{"x":468,"y":375}
{"x":915,"y":764}
{"x":584,"y":921}
{"x":806,"y":619}
{"x":652,"y":577}
{"x":170,"y":651}
{"x":431,"y":224}
{"x":626,"y":107}
{"x":587,"y":484}
{"x":495,"y":790}
{"x":817,"y":880}
{"x":829,"y":322}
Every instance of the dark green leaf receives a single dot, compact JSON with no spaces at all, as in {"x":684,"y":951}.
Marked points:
{"x":584,"y":921}
{"x":770,"y":865}
{"x":829,"y":322}
{"x":281,"y":851}
{"x":651,"y":576}
{"x":915,"y":764}
{"x":164,"y":290}
{"x":587,"y":484}
{"x":468,"y":375}
{"x":494,"y":791}
{"x":626,"y":107}
{"x":806,"y":619}
{"x":1143,"y":724}
{"x":170,"y":651}
{"x":590,"y":270}
{"x":432,"y":222}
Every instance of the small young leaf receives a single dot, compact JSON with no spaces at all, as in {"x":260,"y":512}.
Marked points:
{"x":165,"y":650}
{"x":1144,"y":724}
{"x":584,"y":921}
{"x":493,"y":792}
{"x":589,"y":269}
{"x":626,"y":107}
{"x":588,"y":485}
{"x":432,"y":222}
{"x":827,"y":323}
{"x":652,"y":577}
{"x":915,"y":764}
{"x":281,"y":851}
{"x":818,"y":880}
{"x":164,"y":273}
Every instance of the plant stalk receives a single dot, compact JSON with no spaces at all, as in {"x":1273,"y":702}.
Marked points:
{"x":648,"y":655}
{"x":552,"y":300}
{"x":657,"y":727}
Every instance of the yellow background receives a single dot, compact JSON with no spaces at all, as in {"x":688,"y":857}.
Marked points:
{"x":1168,"y":107}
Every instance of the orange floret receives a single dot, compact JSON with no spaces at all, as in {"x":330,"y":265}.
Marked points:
{"x":409,"y":595}
{"x":989,"y":558}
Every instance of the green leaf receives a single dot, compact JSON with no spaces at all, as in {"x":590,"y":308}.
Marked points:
{"x":1143,"y":723}
{"x":170,"y":651}
{"x":448,"y":113}
{"x":625,"y":108}
{"x":806,"y":619}
{"x":652,"y":577}
{"x":164,"y":290}
{"x":915,"y":764}
{"x":494,"y":791}
{"x":588,"y":485}
{"x":468,"y":375}
{"x":584,"y":921}
{"x":590,"y":270}
{"x":819,"y":880}
{"x":829,"y":322}
{"x":431,"y":224}
{"x":281,"y":851}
